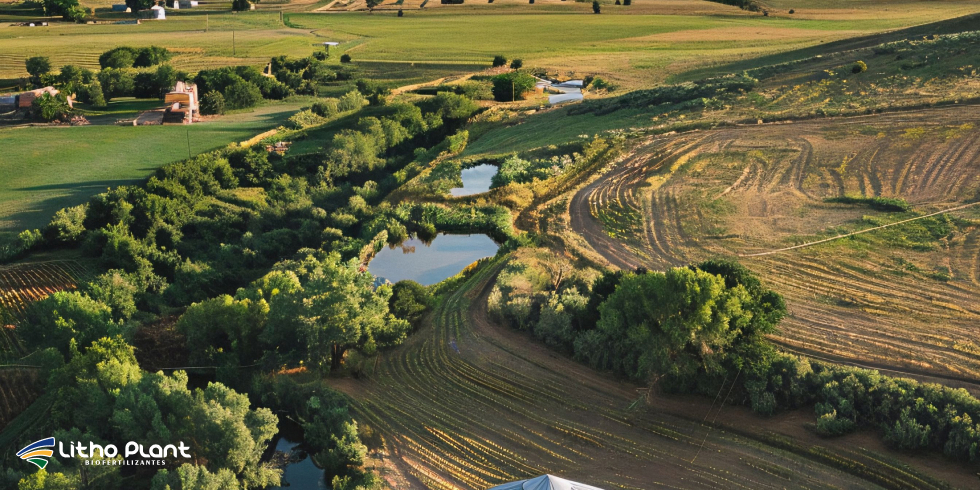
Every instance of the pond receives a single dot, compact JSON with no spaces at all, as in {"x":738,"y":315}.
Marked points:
{"x":299,"y":473}
{"x":430,"y":263}
{"x":570,"y":91}
{"x":476,"y":180}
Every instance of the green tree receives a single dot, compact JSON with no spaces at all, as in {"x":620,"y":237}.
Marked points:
{"x":224,"y":330}
{"x":410,"y":301}
{"x":193,"y":477}
{"x":37,"y":66}
{"x":67,"y":9}
{"x":242,"y":95}
{"x":596,"y":8}
{"x":42,"y":480}
{"x":674,"y":324}
{"x":499,"y":60}
{"x":223,"y":432}
{"x":95,"y":96}
{"x":213,"y":103}
{"x":121,"y":57}
{"x":116,"y":82}
{"x":65,"y":316}
{"x":352,"y":152}
{"x":340,"y":309}
{"x":512,"y":86}
{"x":116,"y":289}
{"x":49,"y":107}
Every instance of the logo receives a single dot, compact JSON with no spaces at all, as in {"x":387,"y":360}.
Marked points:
{"x":133,"y":454}
{"x":35,"y":452}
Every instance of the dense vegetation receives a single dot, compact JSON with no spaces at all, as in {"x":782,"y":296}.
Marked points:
{"x":249,"y":253}
{"x":702,"y":329}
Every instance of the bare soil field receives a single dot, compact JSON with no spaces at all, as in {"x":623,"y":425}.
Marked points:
{"x":466,"y":404}
{"x":904,"y":297}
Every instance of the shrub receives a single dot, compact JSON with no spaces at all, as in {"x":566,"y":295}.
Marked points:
{"x":305,"y":119}
{"x":627,"y":2}
{"x":345,"y":58}
{"x":116,"y":82}
{"x":352,"y":100}
{"x":595,"y":7}
{"x":325,"y":107}
{"x":457,"y":142}
{"x":94,"y":94}
{"x":512,"y":86}
{"x":517,"y":64}
{"x":67,"y":224}
{"x":241,"y":5}
{"x":49,"y":107}
{"x":151,"y":55}
{"x":121,"y":57}
{"x":242,"y":95}
{"x":213,"y":103}
{"x":859,"y":67}
{"x":499,"y":60}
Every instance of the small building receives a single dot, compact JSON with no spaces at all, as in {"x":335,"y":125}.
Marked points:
{"x":121,"y":7}
{"x":25,"y":99}
{"x":155,"y":12}
{"x":182,"y":104}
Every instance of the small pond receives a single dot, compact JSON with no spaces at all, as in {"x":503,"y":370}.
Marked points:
{"x":430,"y":263}
{"x":476,"y":180}
{"x":299,"y":473}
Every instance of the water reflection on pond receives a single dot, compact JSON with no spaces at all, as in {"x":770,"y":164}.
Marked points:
{"x":300,"y":473}
{"x":429,"y":264}
{"x":476,"y":180}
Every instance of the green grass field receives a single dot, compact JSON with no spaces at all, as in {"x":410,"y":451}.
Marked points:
{"x":48,"y":168}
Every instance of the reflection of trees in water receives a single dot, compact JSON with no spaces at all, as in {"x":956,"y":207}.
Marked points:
{"x":408,"y":249}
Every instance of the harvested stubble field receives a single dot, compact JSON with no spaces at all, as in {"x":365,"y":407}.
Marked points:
{"x":903,"y":297}
{"x":466,"y":404}
{"x":23,"y":283}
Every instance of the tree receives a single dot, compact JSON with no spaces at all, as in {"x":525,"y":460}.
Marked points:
{"x":517,"y":63}
{"x":674,"y":324}
{"x":117,"y":290}
{"x":213,"y":103}
{"x":67,"y":9}
{"x":49,"y":107}
{"x":373,"y":3}
{"x":216,"y":422}
{"x":596,"y":8}
{"x":345,"y":58}
{"x":499,"y":60}
{"x":67,"y":225}
{"x":121,"y":57}
{"x":95,"y":96}
{"x":65,"y":316}
{"x":116,"y":82}
{"x":224,"y":331}
{"x":339,"y":309}
{"x":151,"y":55}
{"x":410,"y":301}
{"x":242,"y":95}
{"x":194,"y":477}
{"x":137,"y":5}
{"x":37,"y":66}
{"x":512,"y":86}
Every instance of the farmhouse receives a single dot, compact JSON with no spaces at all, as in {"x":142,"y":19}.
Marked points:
{"x":181,"y":104}
{"x":23,"y":100}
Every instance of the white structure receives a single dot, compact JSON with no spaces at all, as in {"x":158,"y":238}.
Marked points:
{"x":545,"y":482}
{"x":155,"y":12}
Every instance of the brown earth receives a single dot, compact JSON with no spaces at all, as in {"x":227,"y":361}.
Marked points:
{"x":499,"y":406}
{"x":891,"y":300}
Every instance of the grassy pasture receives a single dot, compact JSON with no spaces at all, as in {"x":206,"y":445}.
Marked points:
{"x":47,"y":168}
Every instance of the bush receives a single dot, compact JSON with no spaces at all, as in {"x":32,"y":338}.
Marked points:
{"x":151,"y":55}
{"x":409,"y":301}
{"x":94,"y":94}
{"x":325,"y":107}
{"x":241,"y":5}
{"x":242,"y":95}
{"x":116,"y":83}
{"x":213,"y":103}
{"x":67,"y":224}
{"x":859,"y":67}
{"x":345,"y":58}
{"x":499,"y":60}
{"x":305,"y":119}
{"x":517,"y":64}
{"x":49,"y":107}
{"x":351,"y":101}
{"x":121,"y":57}
{"x":595,"y":7}
{"x":512,"y":86}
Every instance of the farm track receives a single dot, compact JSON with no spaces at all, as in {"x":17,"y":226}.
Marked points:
{"x":502,"y":408}
{"x":845,"y":301}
